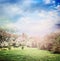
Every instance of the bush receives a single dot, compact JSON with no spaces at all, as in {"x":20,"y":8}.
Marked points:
{"x":22,"y":47}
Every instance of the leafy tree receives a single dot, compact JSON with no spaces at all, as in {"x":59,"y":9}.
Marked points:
{"x":56,"y":44}
{"x":50,"y":42}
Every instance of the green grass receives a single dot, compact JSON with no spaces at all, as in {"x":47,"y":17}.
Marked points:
{"x":28,"y":54}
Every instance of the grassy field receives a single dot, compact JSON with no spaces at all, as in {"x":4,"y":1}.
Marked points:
{"x":28,"y":54}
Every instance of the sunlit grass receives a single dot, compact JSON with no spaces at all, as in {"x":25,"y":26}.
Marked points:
{"x":28,"y":54}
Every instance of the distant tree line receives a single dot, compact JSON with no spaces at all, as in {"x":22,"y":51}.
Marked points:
{"x":50,"y":42}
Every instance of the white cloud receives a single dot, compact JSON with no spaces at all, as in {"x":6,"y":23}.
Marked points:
{"x":53,"y":2}
{"x":58,"y":7}
{"x":47,"y":1}
{"x":12,"y":10}
{"x":32,"y":23}
{"x":36,"y":23}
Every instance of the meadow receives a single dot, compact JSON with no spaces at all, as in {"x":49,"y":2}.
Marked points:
{"x":28,"y":54}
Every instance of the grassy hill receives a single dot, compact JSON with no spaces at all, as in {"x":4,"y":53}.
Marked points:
{"x":28,"y":54}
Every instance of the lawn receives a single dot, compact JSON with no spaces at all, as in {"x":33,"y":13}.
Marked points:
{"x":28,"y":54}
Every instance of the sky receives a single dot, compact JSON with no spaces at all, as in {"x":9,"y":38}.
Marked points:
{"x":34,"y":17}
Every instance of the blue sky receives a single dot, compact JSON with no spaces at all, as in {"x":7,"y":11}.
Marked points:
{"x":30,"y":16}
